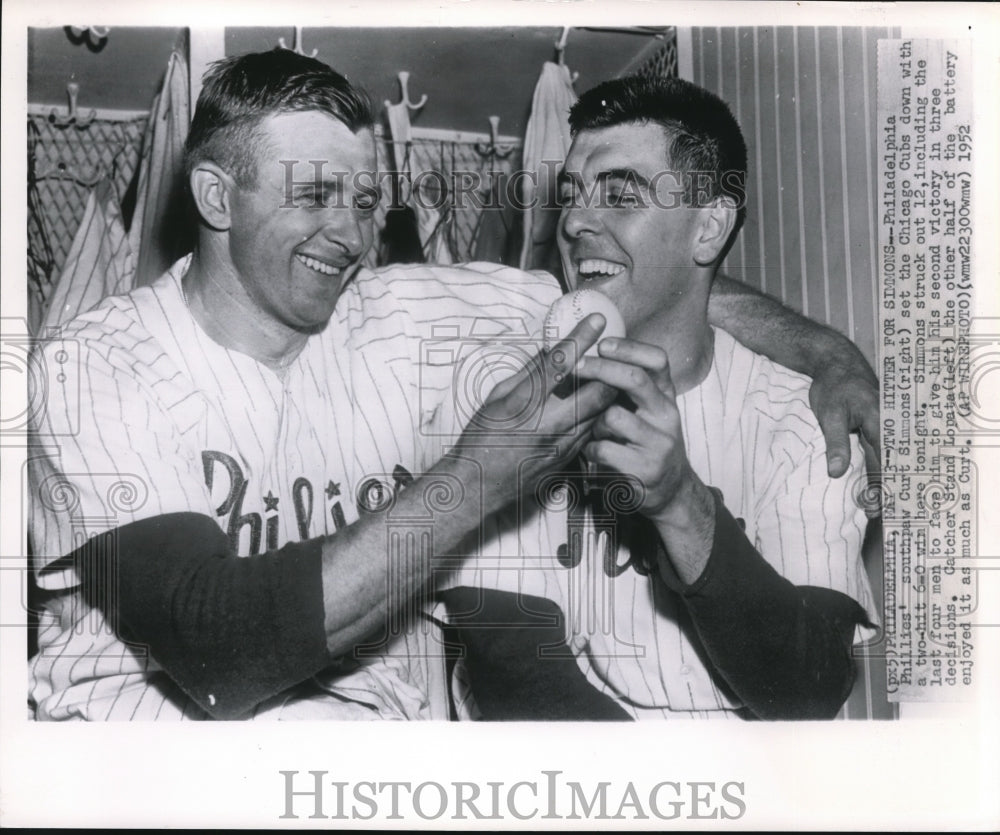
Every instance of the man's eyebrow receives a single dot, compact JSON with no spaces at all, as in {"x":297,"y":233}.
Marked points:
{"x":626,"y":174}
{"x":565,"y":178}
{"x":325,"y":183}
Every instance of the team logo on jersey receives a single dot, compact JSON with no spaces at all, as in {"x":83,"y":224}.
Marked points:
{"x":263,"y":528}
{"x":600,"y":507}
{"x":376,"y":495}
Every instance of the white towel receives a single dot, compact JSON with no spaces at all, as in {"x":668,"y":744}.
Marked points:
{"x":99,"y":263}
{"x":546,"y":140}
{"x":156,"y":230}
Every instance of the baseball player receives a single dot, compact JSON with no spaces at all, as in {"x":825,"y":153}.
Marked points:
{"x":260,"y":399}
{"x":268,"y":398}
{"x":705,"y":563}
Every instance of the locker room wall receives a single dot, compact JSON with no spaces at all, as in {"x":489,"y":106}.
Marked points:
{"x":805,"y":99}
{"x":506,"y":62}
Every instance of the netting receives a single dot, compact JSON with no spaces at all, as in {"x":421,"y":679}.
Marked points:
{"x":463,"y":175}
{"x":663,"y":63}
{"x":66,"y":161}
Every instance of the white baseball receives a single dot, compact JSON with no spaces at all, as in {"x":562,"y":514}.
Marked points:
{"x":568,"y":310}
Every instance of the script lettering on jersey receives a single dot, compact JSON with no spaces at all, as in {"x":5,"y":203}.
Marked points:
{"x":588,"y":506}
{"x":232,"y":505}
{"x":373,"y":496}
{"x":591,"y":517}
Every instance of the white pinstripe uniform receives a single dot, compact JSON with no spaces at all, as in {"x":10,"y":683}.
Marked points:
{"x":171,"y":421}
{"x":749,"y":431}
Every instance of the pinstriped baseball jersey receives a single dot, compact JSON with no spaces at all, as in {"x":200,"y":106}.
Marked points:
{"x":749,"y":432}
{"x":171,"y":421}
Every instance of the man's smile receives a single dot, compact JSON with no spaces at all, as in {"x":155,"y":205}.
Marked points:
{"x":597,"y":268}
{"x":319,"y":266}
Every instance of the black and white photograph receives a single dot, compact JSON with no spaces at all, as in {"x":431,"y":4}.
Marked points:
{"x":517,"y":372}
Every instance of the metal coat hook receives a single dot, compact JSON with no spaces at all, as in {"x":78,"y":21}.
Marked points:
{"x":561,"y":44}
{"x":404,"y":86}
{"x":62,"y":171}
{"x":94,"y":35}
{"x":561,"y":52}
{"x":72,"y":117}
{"x":298,"y":44}
{"x":494,"y":149}
{"x":88,"y":177}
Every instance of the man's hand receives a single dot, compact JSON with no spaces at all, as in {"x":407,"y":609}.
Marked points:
{"x":845,"y":398}
{"x":535,"y":420}
{"x":639,"y":435}
{"x":643,"y":438}
{"x":844,"y":394}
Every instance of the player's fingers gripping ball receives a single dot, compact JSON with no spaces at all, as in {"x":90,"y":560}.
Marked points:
{"x":569,"y":310}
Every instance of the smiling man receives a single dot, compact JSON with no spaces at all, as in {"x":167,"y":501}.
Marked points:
{"x":261,"y":400}
{"x":274,"y":277}
{"x":240,"y":515}
{"x":707,"y":564}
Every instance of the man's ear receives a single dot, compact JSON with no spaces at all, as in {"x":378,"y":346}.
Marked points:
{"x":211,"y":188}
{"x":717,"y":223}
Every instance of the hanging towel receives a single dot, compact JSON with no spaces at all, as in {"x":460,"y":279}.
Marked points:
{"x":546,"y":143}
{"x":161,"y":230}
{"x":431,"y":222}
{"x":99,"y":263}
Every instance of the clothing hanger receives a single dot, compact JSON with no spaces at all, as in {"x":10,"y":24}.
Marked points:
{"x":494,"y":150}
{"x":72,"y":117}
{"x":297,"y":45}
{"x":88,"y":178}
{"x":561,"y":52}
{"x":95,"y":36}
{"x":561,"y":45}
{"x":404,"y":86}
{"x":64,"y":171}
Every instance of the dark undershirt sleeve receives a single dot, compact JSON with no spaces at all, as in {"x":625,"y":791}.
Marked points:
{"x":519,"y":665}
{"x":230,"y":631}
{"x":784,"y":650}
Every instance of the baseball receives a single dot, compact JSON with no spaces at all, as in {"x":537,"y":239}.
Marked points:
{"x":568,"y":310}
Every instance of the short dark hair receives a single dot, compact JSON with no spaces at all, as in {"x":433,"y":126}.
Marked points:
{"x":702,"y":134}
{"x":240,"y":92}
